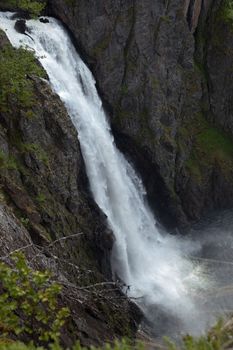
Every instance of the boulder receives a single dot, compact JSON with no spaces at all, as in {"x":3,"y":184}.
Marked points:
{"x":44,"y":20}
{"x":20,"y":26}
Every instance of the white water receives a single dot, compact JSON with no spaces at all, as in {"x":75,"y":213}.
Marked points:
{"x":154,"y":265}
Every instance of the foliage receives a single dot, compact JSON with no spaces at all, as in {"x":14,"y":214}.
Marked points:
{"x":29,"y":303}
{"x":33,"y":7}
{"x":219,"y":338}
{"x":41,"y":198}
{"x":16,"y":65}
{"x":118,"y":345}
{"x":29,"y":306}
{"x":209,"y":145}
{"x":215,"y":141}
{"x":226,"y":11}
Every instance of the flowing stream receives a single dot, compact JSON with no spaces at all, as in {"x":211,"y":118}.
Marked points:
{"x":155,"y":266}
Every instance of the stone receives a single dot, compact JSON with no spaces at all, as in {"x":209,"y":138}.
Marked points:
{"x":20,"y":26}
{"x":44,"y":20}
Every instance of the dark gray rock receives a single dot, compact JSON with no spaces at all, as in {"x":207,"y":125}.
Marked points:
{"x":20,"y":26}
{"x":44,"y":20}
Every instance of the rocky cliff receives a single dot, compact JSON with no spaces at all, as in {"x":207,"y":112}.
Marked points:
{"x":164,"y":70}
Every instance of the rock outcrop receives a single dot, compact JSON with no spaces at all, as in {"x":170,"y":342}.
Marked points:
{"x":158,"y":88}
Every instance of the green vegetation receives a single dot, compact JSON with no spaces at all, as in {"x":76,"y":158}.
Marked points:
{"x":28,"y":303}
{"x":123,"y":345}
{"x":34,"y":8}
{"x":29,"y":310}
{"x":219,"y":338}
{"x":36,"y":150}
{"x":215,"y":143}
{"x":165,"y":19}
{"x":226,"y":11}
{"x":7,"y":162}
{"x":25,"y":221}
{"x":16,"y":67}
{"x":41,"y":198}
{"x":210,"y":145}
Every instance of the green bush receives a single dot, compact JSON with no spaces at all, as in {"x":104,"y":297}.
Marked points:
{"x":34,"y":8}
{"x":29,"y":303}
{"x":118,"y":345}
{"x":29,"y":307}
{"x":16,"y":66}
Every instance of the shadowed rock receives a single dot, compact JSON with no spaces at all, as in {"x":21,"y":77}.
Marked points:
{"x":20,"y":26}
{"x":44,"y":20}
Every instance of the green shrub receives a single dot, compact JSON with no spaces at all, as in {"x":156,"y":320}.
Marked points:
{"x":219,"y":338}
{"x":16,"y":65}
{"x":226,"y":11}
{"x":34,"y":8}
{"x":117,"y":345}
{"x":29,"y":303}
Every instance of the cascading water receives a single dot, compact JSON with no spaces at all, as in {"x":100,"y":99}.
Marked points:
{"x":154,"y":265}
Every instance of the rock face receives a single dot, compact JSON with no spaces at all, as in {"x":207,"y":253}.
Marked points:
{"x":160,"y":68}
{"x":44,"y":196}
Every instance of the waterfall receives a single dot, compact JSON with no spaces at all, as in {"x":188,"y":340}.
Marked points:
{"x":154,"y":265}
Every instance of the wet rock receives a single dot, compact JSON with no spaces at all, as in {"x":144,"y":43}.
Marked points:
{"x":44,"y":20}
{"x":20,"y":26}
